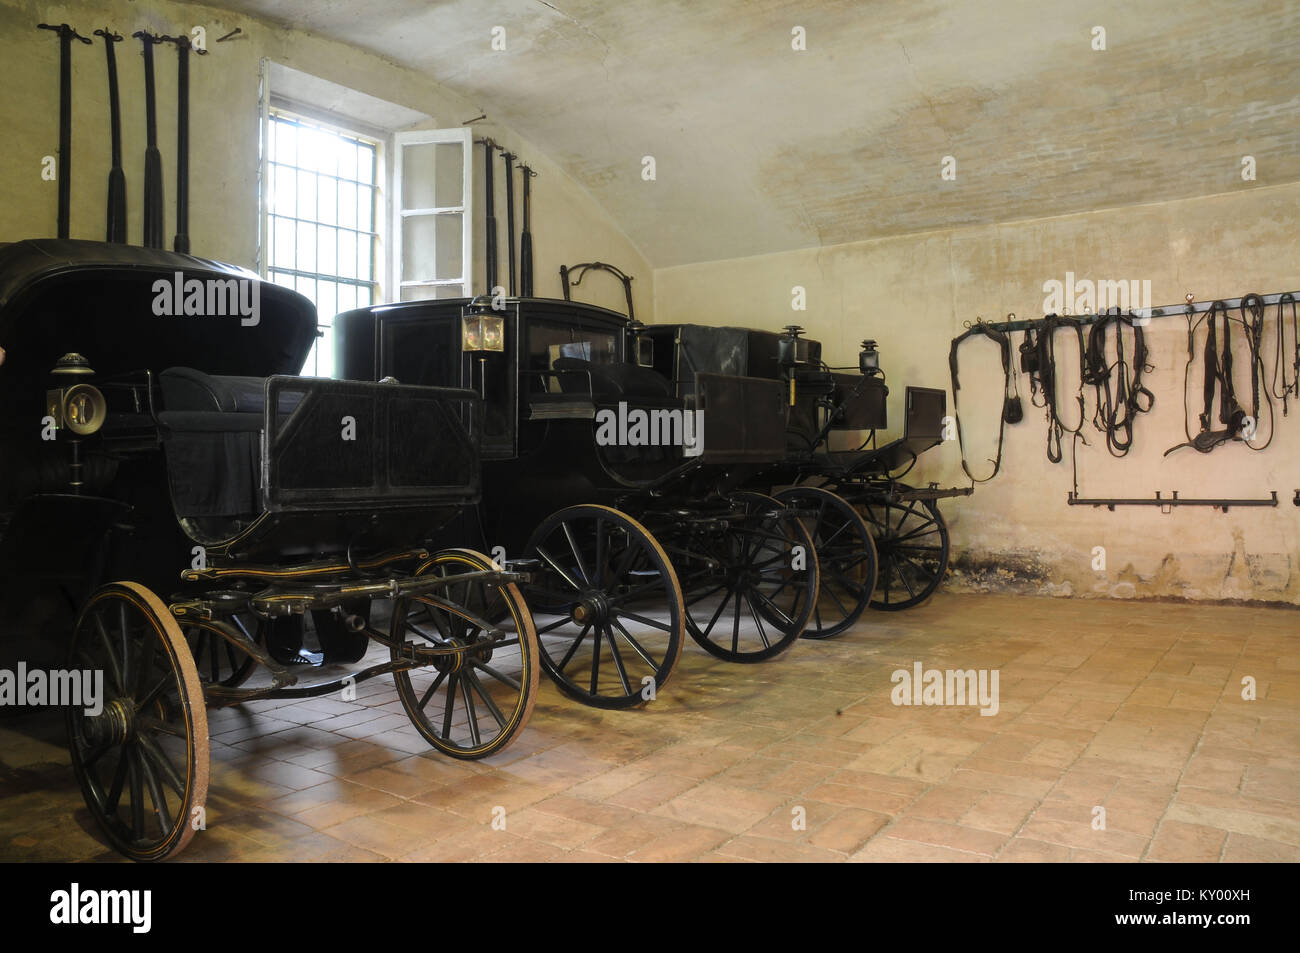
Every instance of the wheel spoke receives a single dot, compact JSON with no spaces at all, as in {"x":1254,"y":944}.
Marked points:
{"x":137,"y":791}
{"x":705,"y":595}
{"x":735,"y":630}
{"x":618,"y":661}
{"x":789,"y":622}
{"x":450,"y":706}
{"x":558,"y":569}
{"x":925,"y":573}
{"x":722,"y":605}
{"x":154,"y":693}
{"x":830,"y":591}
{"x":825,"y":543}
{"x":126,"y":646}
{"x":499,"y":676}
{"x":113,"y":664}
{"x":551,"y":626}
{"x":595,"y":660}
{"x":151,"y":750}
{"x":568,"y":656}
{"x":758,"y":621}
{"x":577,"y":556}
{"x":119,"y":779}
{"x":470,"y":710}
{"x":636,"y":646}
{"x":424,"y":699}
{"x":472,"y":680}
{"x":645,"y":621}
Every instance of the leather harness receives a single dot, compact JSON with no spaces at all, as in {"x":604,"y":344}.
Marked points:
{"x":1218,"y":373}
{"x":1116,"y":412}
{"x":1044,"y":380}
{"x":1004,"y":345}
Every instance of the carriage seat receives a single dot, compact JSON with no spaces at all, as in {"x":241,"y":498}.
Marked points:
{"x":614,"y":382}
{"x":211,"y":428}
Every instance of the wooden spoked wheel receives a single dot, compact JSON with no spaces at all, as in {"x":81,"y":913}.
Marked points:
{"x":142,"y":760}
{"x":607,"y":604}
{"x":846,"y":555}
{"x":912,"y":546}
{"x":472,"y":702}
{"x":750,"y":579}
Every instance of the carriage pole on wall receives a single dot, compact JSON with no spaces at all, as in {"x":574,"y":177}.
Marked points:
{"x":64,"y":170}
{"x":509,"y":158}
{"x":490,"y":216}
{"x":526,"y":240}
{"x":153,"y":184}
{"x":115,"y":215}
{"x":183,"y":46}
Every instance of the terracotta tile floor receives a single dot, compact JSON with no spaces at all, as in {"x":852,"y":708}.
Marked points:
{"x":1134,"y":708}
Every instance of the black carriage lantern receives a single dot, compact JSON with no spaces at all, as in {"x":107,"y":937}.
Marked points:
{"x":73,"y":404}
{"x":643,"y":345}
{"x":869,"y":359}
{"x":792,"y":349}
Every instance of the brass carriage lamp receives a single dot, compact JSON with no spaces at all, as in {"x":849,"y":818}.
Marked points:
{"x":483,"y":332}
{"x":74,"y":404}
{"x":869,"y":359}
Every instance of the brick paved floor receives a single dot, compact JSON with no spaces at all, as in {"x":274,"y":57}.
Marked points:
{"x":1135,"y":708}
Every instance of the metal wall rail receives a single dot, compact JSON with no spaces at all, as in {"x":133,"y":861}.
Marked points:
{"x":1167,"y":311}
{"x":1166,"y":503}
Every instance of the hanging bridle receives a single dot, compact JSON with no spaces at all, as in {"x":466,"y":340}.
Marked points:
{"x":1218,"y":376}
{"x":1044,"y":380}
{"x":1294,"y":386}
{"x":1004,"y":345}
{"x":1116,"y":412}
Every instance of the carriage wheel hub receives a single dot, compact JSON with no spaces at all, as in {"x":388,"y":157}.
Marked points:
{"x":592,"y":608}
{"x":112,"y":726}
{"x":452,"y":661}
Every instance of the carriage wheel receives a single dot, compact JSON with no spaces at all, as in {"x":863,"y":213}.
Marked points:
{"x":912,"y":543}
{"x":142,"y":761}
{"x":846,"y":556}
{"x":220,"y":662}
{"x":608,"y":604}
{"x":473,"y":703}
{"x":751,"y":588}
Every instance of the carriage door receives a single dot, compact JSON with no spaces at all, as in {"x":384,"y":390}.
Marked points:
{"x":432,"y":214}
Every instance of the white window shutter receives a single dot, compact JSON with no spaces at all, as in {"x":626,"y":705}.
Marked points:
{"x":433,"y":224}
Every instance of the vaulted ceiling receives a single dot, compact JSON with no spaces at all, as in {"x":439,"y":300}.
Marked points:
{"x":761,"y":148}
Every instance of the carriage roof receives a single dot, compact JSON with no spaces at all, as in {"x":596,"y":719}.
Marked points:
{"x":60,"y":295}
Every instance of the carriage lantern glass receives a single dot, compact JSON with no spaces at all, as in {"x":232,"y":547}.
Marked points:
{"x":483,"y":332}
{"x":869,"y":359}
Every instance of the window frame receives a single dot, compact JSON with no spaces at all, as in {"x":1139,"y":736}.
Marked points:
{"x":281,"y":111}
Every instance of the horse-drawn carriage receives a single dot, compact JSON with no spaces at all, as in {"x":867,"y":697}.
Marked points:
{"x":151,"y":435}
{"x":881,"y":543}
{"x":624,"y":498}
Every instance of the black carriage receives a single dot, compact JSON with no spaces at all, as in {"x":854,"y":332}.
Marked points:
{"x":636,"y":527}
{"x":882,"y":543}
{"x":154,"y":437}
